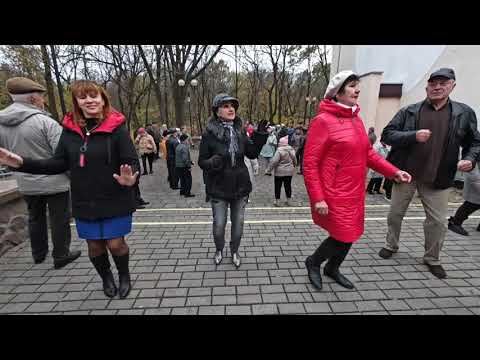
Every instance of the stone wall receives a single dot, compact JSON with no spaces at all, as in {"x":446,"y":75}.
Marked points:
{"x":13,"y":216}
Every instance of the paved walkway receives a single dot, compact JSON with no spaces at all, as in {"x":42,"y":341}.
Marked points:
{"x":173,"y":271}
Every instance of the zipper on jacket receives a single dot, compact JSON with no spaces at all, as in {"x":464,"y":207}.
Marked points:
{"x":452,"y":129}
{"x":84,"y":148}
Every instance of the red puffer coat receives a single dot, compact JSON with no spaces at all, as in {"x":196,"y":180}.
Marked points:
{"x":337,"y":154}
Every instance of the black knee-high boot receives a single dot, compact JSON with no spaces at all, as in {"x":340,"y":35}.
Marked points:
{"x":102,"y":265}
{"x":123,"y":274}
{"x":332,"y":266}
{"x":313,"y":262}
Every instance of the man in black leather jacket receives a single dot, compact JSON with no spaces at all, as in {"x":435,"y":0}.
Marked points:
{"x":426,"y":138}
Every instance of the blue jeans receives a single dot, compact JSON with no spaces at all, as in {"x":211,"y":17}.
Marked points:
{"x":237,"y":212}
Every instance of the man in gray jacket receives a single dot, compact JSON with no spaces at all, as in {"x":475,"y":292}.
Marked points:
{"x":183,"y":165}
{"x":28,"y":130}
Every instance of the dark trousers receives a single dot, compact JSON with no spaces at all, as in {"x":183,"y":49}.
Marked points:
{"x":332,"y":250}
{"x":374,"y":185}
{"x":59,"y":211}
{"x":287,"y":182}
{"x":137,"y":194}
{"x":387,"y":186}
{"x":150,"y":158}
{"x":185,"y":180}
{"x":464,"y":211}
{"x":157,"y":154}
{"x":299,"y":156}
{"x":172,"y":174}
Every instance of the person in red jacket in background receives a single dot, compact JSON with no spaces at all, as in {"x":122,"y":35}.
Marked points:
{"x":337,"y":154}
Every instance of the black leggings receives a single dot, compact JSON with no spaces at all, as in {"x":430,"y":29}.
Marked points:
{"x":150,"y":158}
{"x":374,"y":185}
{"x":287,"y":181}
{"x":464,"y":212}
{"x":387,"y":186}
{"x":333,"y":250}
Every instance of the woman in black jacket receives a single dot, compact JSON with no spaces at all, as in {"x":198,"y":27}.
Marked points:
{"x":96,"y":148}
{"x":227,"y":182}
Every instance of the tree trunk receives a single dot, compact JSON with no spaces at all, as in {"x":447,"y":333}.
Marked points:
{"x":148,"y":103}
{"x":59,"y":80}
{"x":236,"y":73}
{"x":154,"y":82}
{"x":48,"y":79}
{"x":308,"y":90}
{"x":165,"y":95}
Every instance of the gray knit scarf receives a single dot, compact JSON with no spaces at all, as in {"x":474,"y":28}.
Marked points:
{"x":233,"y":147}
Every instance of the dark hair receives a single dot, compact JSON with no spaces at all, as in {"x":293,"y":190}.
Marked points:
{"x":347,"y":81}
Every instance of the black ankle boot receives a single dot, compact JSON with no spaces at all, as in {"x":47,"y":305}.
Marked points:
{"x":123,"y":275}
{"x":102,"y":265}
{"x":335,"y":274}
{"x":332,"y":267}
{"x":313,"y":273}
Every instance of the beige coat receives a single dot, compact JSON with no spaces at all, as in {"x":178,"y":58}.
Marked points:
{"x":283,"y":162}
{"x":146,"y":144}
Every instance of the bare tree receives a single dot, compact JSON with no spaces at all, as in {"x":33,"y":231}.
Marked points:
{"x":183,"y":64}
{"x":48,"y":79}
{"x":58,"y":78}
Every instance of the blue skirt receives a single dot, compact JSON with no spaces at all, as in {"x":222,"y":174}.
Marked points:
{"x":104,"y":229}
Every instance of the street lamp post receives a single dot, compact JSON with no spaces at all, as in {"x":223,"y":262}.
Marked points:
{"x":180,"y":103}
{"x":307,"y":105}
{"x":194,"y":84}
{"x":189,"y":112}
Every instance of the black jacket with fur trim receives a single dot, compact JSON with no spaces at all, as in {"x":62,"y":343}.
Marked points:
{"x":221,"y":179}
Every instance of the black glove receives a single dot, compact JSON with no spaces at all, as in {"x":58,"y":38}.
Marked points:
{"x":262,"y":126}
{"x":216,"y":162}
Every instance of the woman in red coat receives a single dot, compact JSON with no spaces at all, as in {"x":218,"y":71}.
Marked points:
{"x":337,"y":154}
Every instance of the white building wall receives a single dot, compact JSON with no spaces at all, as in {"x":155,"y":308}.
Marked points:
{"x":411,"y":66}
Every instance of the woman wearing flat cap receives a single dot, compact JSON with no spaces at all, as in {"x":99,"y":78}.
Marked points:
{"x":222,"y":149}
{"x":337,"y":154}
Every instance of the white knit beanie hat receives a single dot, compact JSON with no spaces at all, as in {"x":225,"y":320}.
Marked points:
{"x":336,"y":83}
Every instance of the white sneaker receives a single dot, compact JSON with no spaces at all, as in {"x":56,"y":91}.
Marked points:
{"x":236,"y":260}
{"x":218,"y":257}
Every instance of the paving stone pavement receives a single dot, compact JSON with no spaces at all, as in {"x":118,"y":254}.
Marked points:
{"x":173,"y":272}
